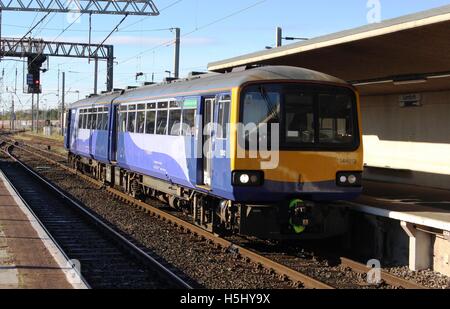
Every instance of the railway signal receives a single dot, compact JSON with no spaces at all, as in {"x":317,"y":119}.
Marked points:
{"x":34,"y":73}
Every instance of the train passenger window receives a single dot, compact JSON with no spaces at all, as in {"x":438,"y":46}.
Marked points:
{"x":131,"y":121}
{"x":140,"y":121}
{"x":99,"y":123}
{"x":162,"y":105}
{"x":80,"y":120}
{"x":150,"y":122}
{"x":85,"y":121}
{"x":161,"y":122}
{"x":141,"y":106}
{"x":224,"y":119}
{"x":175,"y":122}
{"x":188,"y":126}
{"x":151,"y":105}
{"x":175,"y":104}
{"x":89,"y":122}
{"x":94,"y":121}
{"x":105,"y":119}
{"x":104,"y":125}
{"x":123,"y":121}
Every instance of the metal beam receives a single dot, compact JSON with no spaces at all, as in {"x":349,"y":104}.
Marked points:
{"x":12,"y":47}
{"x":114,"y":7}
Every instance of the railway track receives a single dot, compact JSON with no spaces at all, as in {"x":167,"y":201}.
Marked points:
{"x":107,"y":258}
{"x":288,"y":273}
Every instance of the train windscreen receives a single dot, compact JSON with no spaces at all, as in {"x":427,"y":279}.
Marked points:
{"x":308,"y":116}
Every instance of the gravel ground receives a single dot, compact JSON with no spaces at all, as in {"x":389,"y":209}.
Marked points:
{"x":208,"y":266}
{"x":318,"y":259}
{"x":158,"y":237}
{"x":427,"y":278}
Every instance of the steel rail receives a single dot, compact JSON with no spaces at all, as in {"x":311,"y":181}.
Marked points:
{"x":387,"y":277}
{"x":272,"y":266}
{"x":158,"y":266}
{"x":42,"y":226}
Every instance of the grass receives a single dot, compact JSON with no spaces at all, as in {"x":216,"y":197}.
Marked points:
{"x":54,"y":137}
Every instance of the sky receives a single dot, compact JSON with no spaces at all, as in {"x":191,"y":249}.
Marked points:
{"x":211,"y":30}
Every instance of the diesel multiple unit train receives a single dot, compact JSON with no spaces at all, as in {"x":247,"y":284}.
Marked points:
{"x":262,"y":151}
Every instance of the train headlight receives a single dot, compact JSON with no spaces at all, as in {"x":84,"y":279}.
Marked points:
{"x":244,"y":179}
{"x":248,"y":178}
{"x":349,"y":179}
{"x":352,"y":179}
{"x":343,"y":179}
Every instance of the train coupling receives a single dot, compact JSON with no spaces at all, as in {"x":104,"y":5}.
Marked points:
{"x":300,"y":215}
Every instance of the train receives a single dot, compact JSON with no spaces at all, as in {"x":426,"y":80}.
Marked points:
{"x":264,"y":151}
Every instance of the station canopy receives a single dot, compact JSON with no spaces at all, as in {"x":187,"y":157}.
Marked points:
{"x":406,"y":54}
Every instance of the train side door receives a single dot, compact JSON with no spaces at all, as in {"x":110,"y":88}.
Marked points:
{"x":69,"y":120}
{"x":114,"y":130}
{"x":208,"y":139}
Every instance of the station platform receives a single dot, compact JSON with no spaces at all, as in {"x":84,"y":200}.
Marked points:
{"x":424,"y":215}
{"x":28,"y":258}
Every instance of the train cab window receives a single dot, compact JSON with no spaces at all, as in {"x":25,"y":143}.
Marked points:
{"x":311,"y":116}
{"x":131,"y":121}
{"x":140,"y":119}
{"x":150,"y":121}
{"x":261,"y":108}
{"x":300,"y":126}
{"x":175,"y":118}
{"x":224,"y":117}
{"x":335,"y":119}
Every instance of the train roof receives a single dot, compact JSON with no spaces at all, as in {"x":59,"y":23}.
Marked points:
{"x":212,"y":82}
{"x":103,"y":99}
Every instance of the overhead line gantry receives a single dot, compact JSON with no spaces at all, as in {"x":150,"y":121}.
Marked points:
{"x":115,"y":7}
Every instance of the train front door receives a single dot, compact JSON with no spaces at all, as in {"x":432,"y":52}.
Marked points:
{"x":208,"y":139}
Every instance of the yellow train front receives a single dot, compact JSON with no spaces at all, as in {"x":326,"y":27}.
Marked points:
{"x":295,"y":148}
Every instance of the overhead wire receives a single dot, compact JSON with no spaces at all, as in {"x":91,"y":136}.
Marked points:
{"x":202,"y":27}
{"x":61,"y":33}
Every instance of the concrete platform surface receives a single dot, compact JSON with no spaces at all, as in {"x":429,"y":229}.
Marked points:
{"x":27,"y":258}
{"x":417,"y":205}
{"x":424,"y":216}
